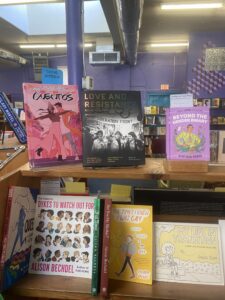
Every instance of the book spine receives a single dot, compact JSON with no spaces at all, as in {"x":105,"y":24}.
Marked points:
{"x":13,"y":119}
{"x":95,"y":257}
{"x":105,"y":248}
{"x":5,"y":235}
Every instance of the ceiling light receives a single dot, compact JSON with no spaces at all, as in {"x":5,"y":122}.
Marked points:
{"x":11,"y":2}
{"x":61,"y":45}
{"x":88,"y":45}
{"x":36,"y":46}
{"x":171,"y":6}
{"x":156,"y":45}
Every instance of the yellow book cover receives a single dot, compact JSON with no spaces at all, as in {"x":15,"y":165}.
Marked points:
{"x":131,"y":243}
{"x":188,"y":253}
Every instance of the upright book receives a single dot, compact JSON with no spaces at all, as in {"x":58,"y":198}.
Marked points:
{"x":188,"y":253}
{"x":112,"y":129}
{"x":187,"y":133}
{"x":131,"y":243}
{"x":53,"y":123}
{"x":17,"y":235}
{"x":63,"y":236}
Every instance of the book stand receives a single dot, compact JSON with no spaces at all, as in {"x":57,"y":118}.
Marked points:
{"x":184,"y":166}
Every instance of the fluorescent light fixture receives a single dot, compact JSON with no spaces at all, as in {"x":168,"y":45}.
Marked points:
{"x":88,"y":45}
{"x":11,"y":2}
{"x":61,"y":45}
{"x":156,"y":45}
{"x":173,"y":6}
{"x":36,"y":46}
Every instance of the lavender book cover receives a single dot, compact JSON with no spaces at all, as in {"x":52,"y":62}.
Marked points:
{"x":187,"y":133}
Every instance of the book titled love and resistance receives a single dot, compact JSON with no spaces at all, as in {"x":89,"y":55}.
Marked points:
{"x":53,"y":124}
{"x":63,"y":236}
{"x":187,"y":133}
{"x":131,"y":243}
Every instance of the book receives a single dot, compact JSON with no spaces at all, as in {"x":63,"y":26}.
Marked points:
{"x":131,"y":243}
{"x":105,"y":248}
{"x":222,"y":234}
{"x":221,"y":146}
{"x":112,"y":129}
{"x":188,"y":253}
{"x":63,"y":236}
{"x":97,"y":246}
{"x":187,"y":133}
{"x":13,"y":119}
{"x":214,"y":138}
{"x":17,"y":235}
{"x":53,"y":123}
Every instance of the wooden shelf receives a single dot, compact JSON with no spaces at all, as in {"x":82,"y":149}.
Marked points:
{"x":61,"y":287}
{"x":154,"y":168}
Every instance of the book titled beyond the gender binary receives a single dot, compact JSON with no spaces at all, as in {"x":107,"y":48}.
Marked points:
{"x":131,"y":243}
{"x":112,"y":129}
{"x":63,"y":236}
{"x":17,"y":235}
{"x":187,"y":133}
{"x":53,"y":123}
{"x":188,"y":253}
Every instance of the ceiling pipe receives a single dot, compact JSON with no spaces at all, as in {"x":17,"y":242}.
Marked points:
{"x":130,"y":12}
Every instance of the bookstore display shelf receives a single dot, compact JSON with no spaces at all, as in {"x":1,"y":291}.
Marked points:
{"x":155,"y":168}
{"x":60,"y":287}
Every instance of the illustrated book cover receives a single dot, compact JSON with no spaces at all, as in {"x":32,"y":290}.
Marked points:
{"x":17,"y":234}
{"x":131,"y":243}
{"x":63,"y":236}
{"x":53,"y":123}
{"x":188,"y":253}
{"x":221,"y":146}
{"x":187,"y":133}
{"x":112,"y":129}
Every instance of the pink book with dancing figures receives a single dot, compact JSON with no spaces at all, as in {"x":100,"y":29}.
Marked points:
{"x":53,"y":124}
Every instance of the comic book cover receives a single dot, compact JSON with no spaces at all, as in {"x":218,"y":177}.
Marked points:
{"x":53,"y":123}
{"x":187,"y":135}
{"x":17,"y":234}
{"x":188,"y":253}
{"x":63,"y":236}
{"x":112,"y":129}
{"x":131,"y":243}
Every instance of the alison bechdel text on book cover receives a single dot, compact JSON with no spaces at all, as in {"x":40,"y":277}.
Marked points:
{"x":53,"y":123}
{"x":17,"y":235}
{"x":112,"y":128}
{"x":187,"y":135}
{"x":63,"y":236}
{"x":131,"y":243}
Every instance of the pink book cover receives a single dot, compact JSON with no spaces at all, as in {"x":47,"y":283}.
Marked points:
{"x":188,"y":133}
{"x":53,"y":124}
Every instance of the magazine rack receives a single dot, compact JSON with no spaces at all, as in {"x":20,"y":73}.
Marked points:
{"x":60,"y":287}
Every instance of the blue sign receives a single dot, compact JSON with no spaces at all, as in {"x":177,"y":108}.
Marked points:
{"x":52,"y":76}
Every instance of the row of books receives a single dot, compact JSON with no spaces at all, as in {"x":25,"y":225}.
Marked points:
{"x":154,"y":110}
{"x":83,"y":236}
{"x":155,"y":120}
{"x":217,"y":146}
{"x":218,"y":120}
{"x":150,"y":130}
{"x":210,"y":102}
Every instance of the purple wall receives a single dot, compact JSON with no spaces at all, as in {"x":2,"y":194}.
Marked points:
{"x":201,"y":83}
{"x":151,"y":70}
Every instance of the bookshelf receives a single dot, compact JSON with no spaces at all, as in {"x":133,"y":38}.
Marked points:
{"x":59,"y":287}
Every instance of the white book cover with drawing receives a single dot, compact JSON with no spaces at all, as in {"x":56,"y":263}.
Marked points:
{"x":63,"y":236}
{"x":188,"y":253}
{"x":222,"y":234}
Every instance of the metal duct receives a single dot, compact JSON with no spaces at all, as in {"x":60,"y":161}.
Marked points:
{"x":130,"y":12}
{"x":11,"y":57}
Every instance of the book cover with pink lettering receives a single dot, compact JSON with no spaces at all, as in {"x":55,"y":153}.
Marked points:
{"x":187,"y":135}
{"x":63,"y":236}
{"x":53,"y":124}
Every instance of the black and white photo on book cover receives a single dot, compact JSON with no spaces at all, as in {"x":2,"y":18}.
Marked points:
{"x":112,"y":129}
